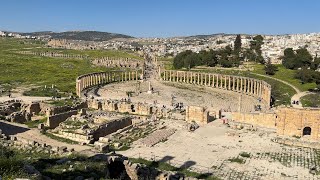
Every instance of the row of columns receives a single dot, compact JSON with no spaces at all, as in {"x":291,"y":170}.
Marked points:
{"x":250,"y":86}
{"x":54,"y":54}
{"x":95,"y":79}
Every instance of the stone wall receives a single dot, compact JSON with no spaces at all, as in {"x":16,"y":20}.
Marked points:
{"x":94,"y":79}
{"x":118,"y":62}
{"x":268,"y":120}
{"x":54,"y":120}
{"x":197,"y":114}
{"x":61,"y":109}
{"x":124,"y":107}
{"x":292,"y":122}
{"x":287,"y":121}
{"x":244,"y":85}
{"x":111,"y":127}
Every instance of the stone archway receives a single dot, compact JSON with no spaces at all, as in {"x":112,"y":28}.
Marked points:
{"x":306,"y":131}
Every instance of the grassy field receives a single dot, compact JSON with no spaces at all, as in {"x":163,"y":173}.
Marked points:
{"x":286,"y":75}
{"x":19,"y":70}
{"x":311,"y":100}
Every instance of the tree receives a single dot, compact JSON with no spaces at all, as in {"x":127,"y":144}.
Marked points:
{"x":315,"y":64}
{"x":297,"y":59}
{"x":237,"y":44}
{"x":255,"y":46}
{"x":288,"y":59}
{"x":270,"y":69}
{"x":178,"y":61}
{"x":305,"y":75}
{"x":303,"y":58}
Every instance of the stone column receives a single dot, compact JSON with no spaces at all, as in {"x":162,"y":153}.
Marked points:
{"x":205,"y":79}
{"x":122,"y":76}
{"x":198,"y":78}
{"x":170,"y":76}
{"x":201,"y":77}
{"x":241,"y":85}
{"x":184,"y":76}
{"x":238,"y":84}
{"x":233,"y":83}
{"x":221,"y":81}
{"x":245,"y":85}
{"x":225,"y":82}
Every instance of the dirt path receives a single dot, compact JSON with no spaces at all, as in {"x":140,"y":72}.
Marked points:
{"x":22,"y":131}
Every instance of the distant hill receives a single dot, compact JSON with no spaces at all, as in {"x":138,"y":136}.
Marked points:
{"x":78,"y":35}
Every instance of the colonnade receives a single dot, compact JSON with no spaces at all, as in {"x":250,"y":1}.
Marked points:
{"x":249,"y":86}
{"x":94,"y":79}
{"x":54,"y":54}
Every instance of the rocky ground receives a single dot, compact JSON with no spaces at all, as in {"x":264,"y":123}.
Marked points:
{"x":232,"y":154}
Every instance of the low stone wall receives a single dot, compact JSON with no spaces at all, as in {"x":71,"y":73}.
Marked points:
{"x":111,"y":127}
{"x":76,"y":137}
{"x":61,"y":109}
{"x":268,"y":120}
{"x":142,"y":109}
{"x":55,"y":120}
{"x":117,"y":62}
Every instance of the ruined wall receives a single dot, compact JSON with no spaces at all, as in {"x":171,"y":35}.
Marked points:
{"x":268,"y":120}
{"x":291,"y":121}
{"x":244,"y":85}
{"x":61,"y":109}
{"x":117,"y":62}
{"x":111,"y":127}
{"x":54,"y":120}
{"x":54,"y":55}
{"x":123,"y":107}
{"x":197,"y":114}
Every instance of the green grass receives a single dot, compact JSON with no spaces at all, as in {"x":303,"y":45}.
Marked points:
{"x":167,"y":167}
{"x":287,"y":75}
{"x":35,"y":123}
{"x":310,"y":100}
{"x":61,"y":102}
{"x":13,"y":160}
{"x":44,"y":92}
{"x":237,"y":160}
{"x":17,"y":69}
{"x":245,"y":154}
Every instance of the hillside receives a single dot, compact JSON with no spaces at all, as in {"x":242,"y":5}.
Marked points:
{"x":79,"y":35}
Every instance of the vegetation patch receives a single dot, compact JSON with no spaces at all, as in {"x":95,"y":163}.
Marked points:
{"x":35,"y":123}
{"x":44,"y":92}
{"x":237,"y":160}
{"x":311,"y":100}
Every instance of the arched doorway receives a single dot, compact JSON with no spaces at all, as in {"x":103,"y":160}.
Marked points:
{"x":306,"y":131}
